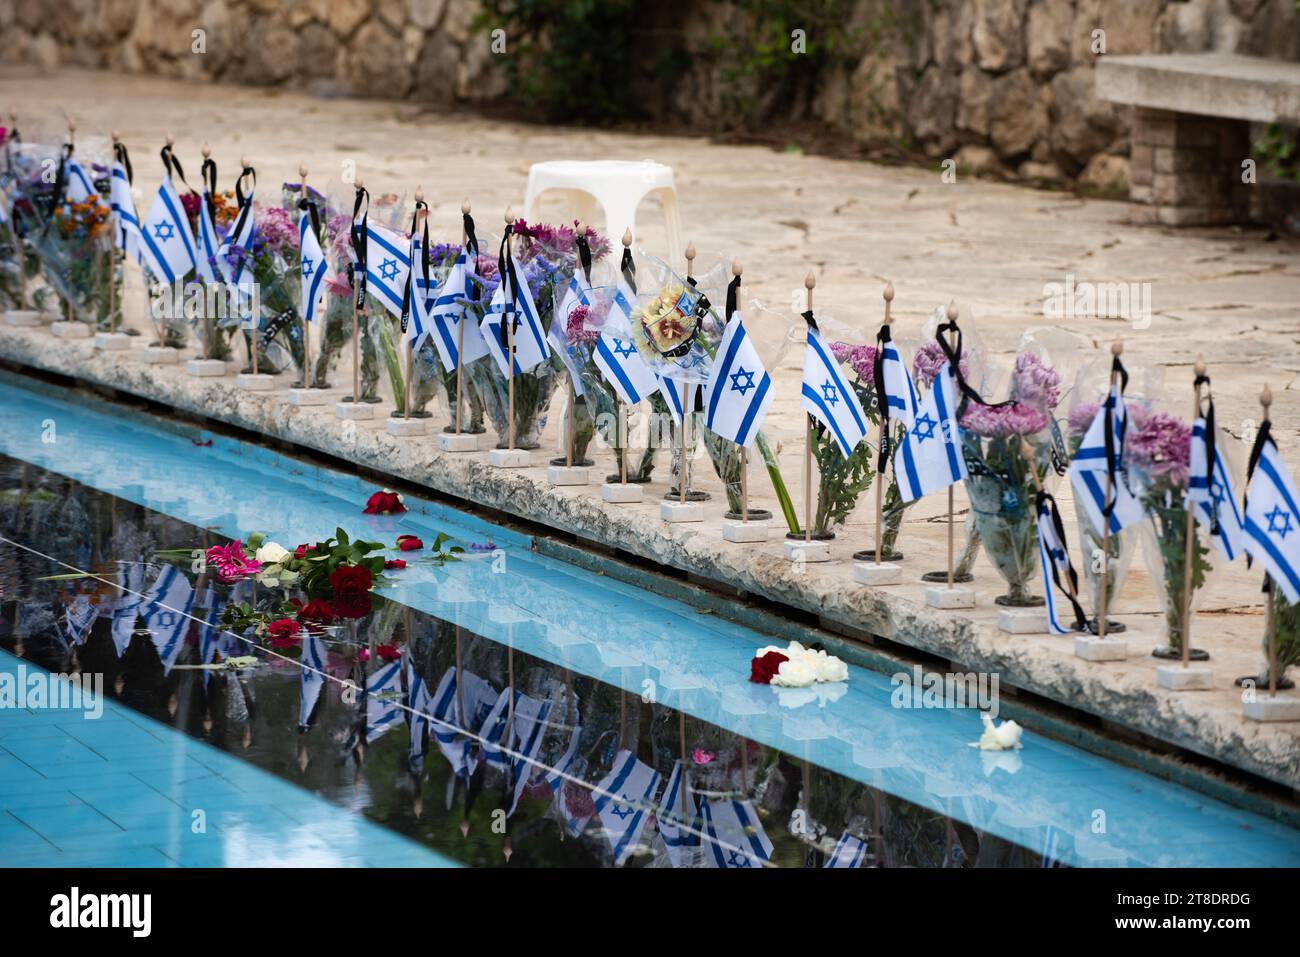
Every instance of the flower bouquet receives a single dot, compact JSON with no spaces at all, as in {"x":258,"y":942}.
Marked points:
{"x":274,"y":254}
{"x":74,"y":245}
{"x":1001,"y":486}
{"x":1157,"y":450}
{"x":211,"y":314}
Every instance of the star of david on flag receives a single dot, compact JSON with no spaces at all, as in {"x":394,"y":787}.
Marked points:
{"x":624,"y":369}
{"x":388,"y":262}
{"x":733,"y":835}
{"x":739,"y":391}
{"x":930,"y":458}
{"x":1272,"y":523}
{"x":168,"y":246}
{"x":623,"y":801}
{"x":828,"y":397}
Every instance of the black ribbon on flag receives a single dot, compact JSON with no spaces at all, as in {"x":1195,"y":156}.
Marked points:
{"x":173,"y":166}
{"x":883,"y":337}
{"x":505,"y":269}
{"x":733,"y":298}
{"x":1108,"y":426}
{"x":584,"y":254}
{"x":359,"y":235}
{"x":424,"y":263}
{"x":1045,"y":499}
{"x":628,"y":268}
{"x":122,"y":156}
{"x":208,"y":177}
{"x":1262,"y":438}
{"x":60,"y":183}
{"x":471,"y":249}
{"x":953,"y":352}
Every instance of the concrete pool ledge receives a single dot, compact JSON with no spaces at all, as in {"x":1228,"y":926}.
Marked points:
{"x":1124,"y":693}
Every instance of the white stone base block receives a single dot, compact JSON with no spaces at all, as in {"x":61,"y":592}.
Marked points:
{"x":23,"y":317}
{"x":307,"y":397}
{"x":205,"y":368}
{"x":869,"y":573}
{"x":1263,"y":708}
{"x":941,"y":596}
{"x":355,"y":411}
{"x":509,"y":458}
{"x":406,"y":428}
{"x":618,"y":493}
{"x":261,"y":382}
{"x":802,"y":551}
{"x":112,"y":341}
{"x":1023,"y":621}
{"x":675,"y":512}
{"x":1092,"y":648}
{"x":70,"y":330}
{"x":161,"y":355}
{"x":566,"y":475}
{"x":1191,"y":678}
{"x":734,"y":530}
{"x":451,"y":442}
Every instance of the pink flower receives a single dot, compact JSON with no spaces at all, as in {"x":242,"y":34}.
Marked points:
{"x":231,"y":563}
{"x":1035,"y":383}
{"x":929,"y":360}
{"x":702,"y":757}
{"x":555,"y":242}
{"x":275,"y":228}
{"x":861,"y":359}
{"x":1000,"y":422}
{"x":576,"y":328}
{"x":1082,"y":417}
{"x":1160,"y":447}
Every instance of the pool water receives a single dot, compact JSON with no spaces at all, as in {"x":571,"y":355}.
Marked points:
{"x":604,"y":694}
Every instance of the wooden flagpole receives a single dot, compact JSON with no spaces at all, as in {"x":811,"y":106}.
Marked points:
{"x":13,"y":234}
{"x":744,"y":452}
{"x":308,"y":308}
{"x":888,"y":296}
{"x":252,"y":319}
{"x":809,"y":283}
{"x":952,"y":317}
{"x":1189,"y":550}
{"x":460,"y":327}
{"x":682,"y":478}
{"x":622,"y":409}
{"x":509,"y":320}
{"x":112,"y":250}
{"x":1103,"y":603}
{"x":420,"y":216}
{"x":356,"y":328}
{"x":1270,"y":615}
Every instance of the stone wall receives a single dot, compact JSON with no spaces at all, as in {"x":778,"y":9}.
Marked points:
{"x":1004,"y":86}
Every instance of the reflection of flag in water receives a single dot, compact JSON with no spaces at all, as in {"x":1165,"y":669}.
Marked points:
{"x":828,"y":397}
{"x":739,"y":391}
{"x":733,"y":836}
{"x":624,"y":369}
{"x":383,"y":700}
{"x":1212,"y":495}
{"x":79,"y":619}
{"x":1051,"y":847}
{"x":311,"y":679}
{"x":387,"y":266}
{"x":849,"y":851}
{"x":421,"y":704}
{"x":531,"y":347}
{"x":1089,"y":468}
{"x":1272,"y":523}
{"x":126,"y":607}
{"x":168,"y":244}
{"x":929,"y":458}
{"x":449,"y":727}
{"x":679,"y":822}
{"x":530,"y":724}
{"x":166,"y":611}
{"x":209,"y":607}
{"x":555,"y":774}
{"x":623,"y":800}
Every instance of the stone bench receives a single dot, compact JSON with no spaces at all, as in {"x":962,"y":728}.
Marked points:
{"x":1191,"y":128}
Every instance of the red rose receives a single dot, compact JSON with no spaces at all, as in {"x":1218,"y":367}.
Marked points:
{"x":409,"y":543}
{"x":384,"y":503}
{"x":395,"y":563}
{"x":388,"y":653}
{"x":351,"y":584}
{"x":763,"y":670}
{"x":302,"y":550}
{"x":284,"y":633}
{"x":315,"y":612}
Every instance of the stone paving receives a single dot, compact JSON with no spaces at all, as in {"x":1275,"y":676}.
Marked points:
{"x":991,"y":248}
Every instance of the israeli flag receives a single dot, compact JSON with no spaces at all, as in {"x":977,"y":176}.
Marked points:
{"x":1088,"y":469}
{"x":1272,"y":523}
{"x":209,"y":628}
{"x":676,"y":394}
{"x":555,"y":775}
{"x":618,"y":321}
{"x":126,"y":232}
{"x":1054,"y":560}
{"x":733,"y":836}
{"x":1215,"y":501}
{"x":80,"y":187}
{"x":421,"y":293}
{"x":530,"y":723}
{"x":623,"y":368}
{"x":442,"y":310}
{"x":312,"y":264}
{"x":828,"y":397}
{"x":624,"y":797}
{"x":929,"y":458}
{"x":531,"y":347}
{"x":448,"y":726}
{"x":739,"y":391}
{"x":900,"y":392}
{"x":311,"y":679}
{"x":168,"y":244}
{"x":383,"y":698}
{"x":576,"y":294}
{"x":79,"y":619}
{"x":421,"y":704}
{"x":679,"y":824}
{"x":166,"y":613}
{"x":388,"y":263}
{"x":850,"y":851}
{"x":126,"y":609}
{"x":209,"y":245}
{"x":239,"y":276}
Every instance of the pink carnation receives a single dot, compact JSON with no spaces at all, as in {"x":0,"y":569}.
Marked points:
{"x":861,"y":359}
{"x":231,"y":563}
{"x":275,"y":228}
{"x":1000,"y":422}
{"x":929,"y":360}
{"x":1082,"y":417}
{"x":576,"y":328}
{"x":1035,"y":382}
{"x":1160,"y":447}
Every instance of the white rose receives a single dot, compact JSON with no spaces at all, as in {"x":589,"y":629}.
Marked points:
{"x":272,"y":554}
{"x":795,"y":673}
{"x":828,"y":667}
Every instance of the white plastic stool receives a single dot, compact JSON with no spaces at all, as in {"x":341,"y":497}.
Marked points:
{"x":617,"y":186}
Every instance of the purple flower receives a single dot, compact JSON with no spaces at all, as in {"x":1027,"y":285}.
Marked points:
{"x":1082,"y":417}
{"x":1004,"y":421}
{"x":929,"y":360}
{"x":275,"y":228}
{"x":576,"y":328}
{"x":1160,"y":446}
{"x":861,"y":359}
{"x":1035,"y":382}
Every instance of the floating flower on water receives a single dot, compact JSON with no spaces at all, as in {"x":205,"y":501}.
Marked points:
{"x":1160,"y":447}
{"x":315,"y":612}
{"x":231,"y":563}
{"x":384,"y":503}
{"x":702,"y":757}
{"x":763,"y":668}
{"x":1004,"y":421}
{"x":284,"y":633}
{"x":795,"y":666}
{"x":482,"y":547}
{"x":395,"y":564}
{"x":409,"y":543}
